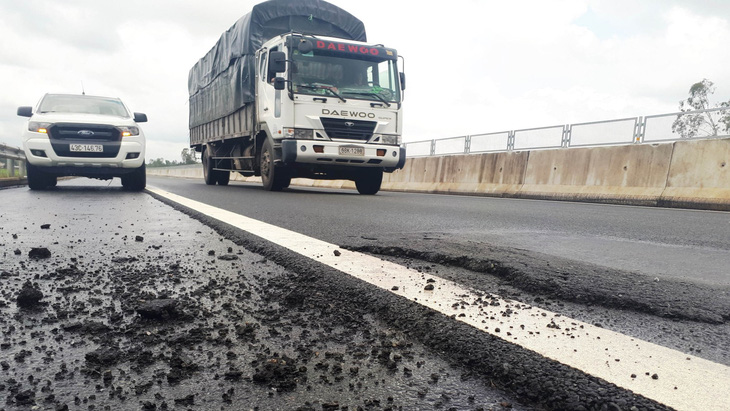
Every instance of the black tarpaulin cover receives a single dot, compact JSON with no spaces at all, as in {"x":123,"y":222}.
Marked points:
{"x":223,"y":80}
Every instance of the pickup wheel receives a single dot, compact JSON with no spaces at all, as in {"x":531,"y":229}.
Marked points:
{"x":136,"y":180}
{"x":369,"y":181}
{"x":38,"y":179}
{"x":274,"y":178}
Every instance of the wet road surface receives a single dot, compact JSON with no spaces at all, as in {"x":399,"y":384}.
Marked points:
{"x":143,"y":307}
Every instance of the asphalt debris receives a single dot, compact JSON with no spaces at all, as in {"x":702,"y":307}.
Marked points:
{"x":39,"y":253}
{"x":29,"y":296}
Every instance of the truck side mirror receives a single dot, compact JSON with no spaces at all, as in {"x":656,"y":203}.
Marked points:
{"x":25,"y":111}
{"x":140,"y":117}
{"x":279,"y":83}
{"x":277,"y":62}
{"x":402,"y":80}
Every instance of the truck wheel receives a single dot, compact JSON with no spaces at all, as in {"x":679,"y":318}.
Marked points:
{"x":209,"y":175}
{"x":37,"y":179}
{"x":136,"y":180}
{"x":274,"y":178}
{"x":369,"y":181}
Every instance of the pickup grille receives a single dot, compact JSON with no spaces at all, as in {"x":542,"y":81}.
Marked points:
{"x":345,"y":129}
{"x":86,"y":132}
{"x":62,"y":135}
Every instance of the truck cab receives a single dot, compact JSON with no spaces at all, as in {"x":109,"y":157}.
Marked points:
{"x":330,"y":108}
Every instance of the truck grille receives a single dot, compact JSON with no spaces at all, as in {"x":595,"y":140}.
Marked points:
{"x":338,"y":128}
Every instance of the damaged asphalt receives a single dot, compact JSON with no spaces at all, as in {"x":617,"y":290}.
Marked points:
{"x":118,"y":301}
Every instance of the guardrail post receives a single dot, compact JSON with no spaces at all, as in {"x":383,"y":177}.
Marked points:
{"x":467,"y":144}
{"x":433,"y":147}
{"x":511,"y":140}
{"x":21,"y":169}
{"x":567,"y":132}
{"x":11,"y":167}
{"x":639,"y":130}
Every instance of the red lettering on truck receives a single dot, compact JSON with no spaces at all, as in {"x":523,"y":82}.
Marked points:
{"x":350,"y":48}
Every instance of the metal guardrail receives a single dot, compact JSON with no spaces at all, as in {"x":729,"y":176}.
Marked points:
{"x":12,"y":161}
{"x":634,"y":130}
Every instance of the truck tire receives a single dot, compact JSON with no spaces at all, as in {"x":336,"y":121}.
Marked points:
{"x":209,"y":175}
{"x":274,"y":178}
{"x":136,"y":180}
{"x":37,"y":179}
{"x":369,"y":181}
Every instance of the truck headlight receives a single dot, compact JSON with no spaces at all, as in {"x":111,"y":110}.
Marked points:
{"x":129,"y":131}
{"x":38,"y":127}
{"x":390,"y":139}
{"x":303,"y":133}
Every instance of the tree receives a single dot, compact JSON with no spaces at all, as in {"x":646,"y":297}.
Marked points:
{"x":705,"y":124}
{"x":188,"y":156}
{"x":158,"y":162}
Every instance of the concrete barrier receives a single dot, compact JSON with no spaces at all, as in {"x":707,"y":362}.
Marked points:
{"x":490,"y":174}
{"x":634,"y":174}
{"x":699,"y":175}
{"x":689,"y":174}
{"x":13,"y":181}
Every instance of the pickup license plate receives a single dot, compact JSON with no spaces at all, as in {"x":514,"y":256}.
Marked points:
{"x":352,"y":151}
{"x":87,"y":148}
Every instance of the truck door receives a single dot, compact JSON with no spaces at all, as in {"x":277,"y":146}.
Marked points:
{"x":266,"y":105}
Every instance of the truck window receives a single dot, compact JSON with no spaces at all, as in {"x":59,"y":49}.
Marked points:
{"x":263,"y":64}
{"x":270,"y":74}
{"x":353,"y":75}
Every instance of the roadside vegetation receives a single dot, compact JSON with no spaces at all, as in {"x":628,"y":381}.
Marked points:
{"x":187,"y":157}
{"x":708,"y":123}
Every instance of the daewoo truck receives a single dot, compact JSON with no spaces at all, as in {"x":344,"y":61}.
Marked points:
{"x":293,"y":89}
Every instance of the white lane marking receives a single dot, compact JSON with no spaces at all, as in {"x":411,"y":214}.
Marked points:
{"x":684,"y":382}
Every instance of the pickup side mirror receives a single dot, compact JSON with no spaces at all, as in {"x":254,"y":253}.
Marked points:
{"x":140,"y":117}
{"x":402,"y":80}
{"x":279,"y":83}
{"x":25,"y":111}
{"x":277,"y":62}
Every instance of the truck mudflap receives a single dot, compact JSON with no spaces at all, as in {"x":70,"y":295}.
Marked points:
{"x":341,"y":153}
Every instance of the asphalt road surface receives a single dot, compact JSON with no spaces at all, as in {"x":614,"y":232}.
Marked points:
{"x":115,"y":300}
{"x":666,"y":243}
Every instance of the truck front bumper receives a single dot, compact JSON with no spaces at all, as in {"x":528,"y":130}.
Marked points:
{"x":343,"y":154}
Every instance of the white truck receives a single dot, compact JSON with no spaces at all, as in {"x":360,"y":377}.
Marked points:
{"x":294,"y":90}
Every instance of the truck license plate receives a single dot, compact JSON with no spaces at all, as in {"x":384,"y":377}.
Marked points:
{"x":87,"y":148}
{"x":352,"y":151}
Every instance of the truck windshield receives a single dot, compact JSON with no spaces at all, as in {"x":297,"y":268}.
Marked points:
{"x":60,"y":103}
{"x":327,"y":73}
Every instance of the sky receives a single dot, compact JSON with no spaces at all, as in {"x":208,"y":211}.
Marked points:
{"x":472,"y":66}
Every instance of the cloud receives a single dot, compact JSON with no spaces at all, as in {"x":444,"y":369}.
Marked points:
{"x":473,"y":67}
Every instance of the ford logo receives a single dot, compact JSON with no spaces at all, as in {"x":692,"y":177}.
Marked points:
{"x":349,"y":124}
{"x":85,"y":133}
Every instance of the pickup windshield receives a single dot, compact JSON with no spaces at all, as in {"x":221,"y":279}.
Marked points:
{"x":69,"y":103}
{"x":363,"y":77}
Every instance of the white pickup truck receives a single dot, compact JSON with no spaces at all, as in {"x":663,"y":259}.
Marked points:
{"x":80,"y":135}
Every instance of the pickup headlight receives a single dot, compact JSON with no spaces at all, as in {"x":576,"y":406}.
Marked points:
{"x":38,"y":127}
{"x":129,"y":131}
{"x":390,"y":139}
